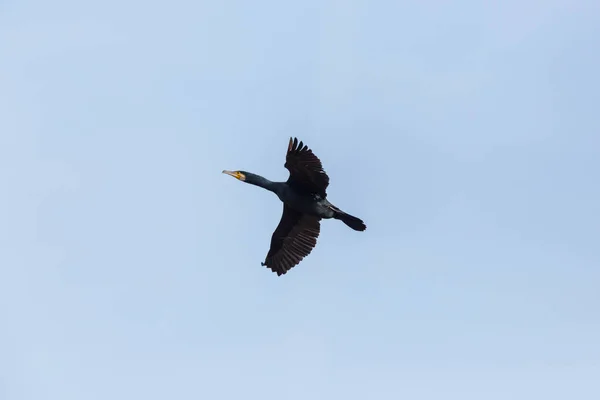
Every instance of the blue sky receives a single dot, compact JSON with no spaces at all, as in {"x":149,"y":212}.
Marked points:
{"x":465,"y":134}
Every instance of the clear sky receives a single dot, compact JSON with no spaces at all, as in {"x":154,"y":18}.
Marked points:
{"x":466,"y":134}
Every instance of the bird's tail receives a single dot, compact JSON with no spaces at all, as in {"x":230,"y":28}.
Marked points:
{"x":353,"y":222}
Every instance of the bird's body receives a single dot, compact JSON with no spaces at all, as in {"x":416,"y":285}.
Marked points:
{"x":305,"y":203}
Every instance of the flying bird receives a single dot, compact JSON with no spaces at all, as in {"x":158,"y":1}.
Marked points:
{"x":305,"y":203}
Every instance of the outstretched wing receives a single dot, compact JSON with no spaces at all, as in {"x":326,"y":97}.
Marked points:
{"x":295,"y":237}
{"x":306,"y":172}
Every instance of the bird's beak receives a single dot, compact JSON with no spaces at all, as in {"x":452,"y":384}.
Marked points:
{"x":235,"y":174}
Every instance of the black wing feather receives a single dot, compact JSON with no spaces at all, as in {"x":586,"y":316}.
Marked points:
{"x":306,"y":170}
{"x":293,"y":239}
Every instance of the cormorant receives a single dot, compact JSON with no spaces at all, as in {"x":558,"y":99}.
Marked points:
{"x":305,"y":203}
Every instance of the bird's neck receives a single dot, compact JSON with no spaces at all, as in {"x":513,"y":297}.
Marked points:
{"x":260,"y":181}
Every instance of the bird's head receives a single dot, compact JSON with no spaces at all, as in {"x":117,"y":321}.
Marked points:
{"x":240,"y":175}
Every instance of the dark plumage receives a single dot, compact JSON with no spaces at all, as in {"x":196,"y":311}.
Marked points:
{"x":304,"y":197}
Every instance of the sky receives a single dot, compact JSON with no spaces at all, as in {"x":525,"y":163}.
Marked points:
{"x":465,"y":134}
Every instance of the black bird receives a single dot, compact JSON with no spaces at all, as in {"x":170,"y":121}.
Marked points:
{"x":305,"y":203}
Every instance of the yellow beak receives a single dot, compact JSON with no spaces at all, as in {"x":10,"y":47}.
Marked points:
{"x":235,"y":174}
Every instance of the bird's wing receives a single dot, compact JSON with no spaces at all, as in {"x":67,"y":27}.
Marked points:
{"x":306,"y":170}
{"x":293,"y":239}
